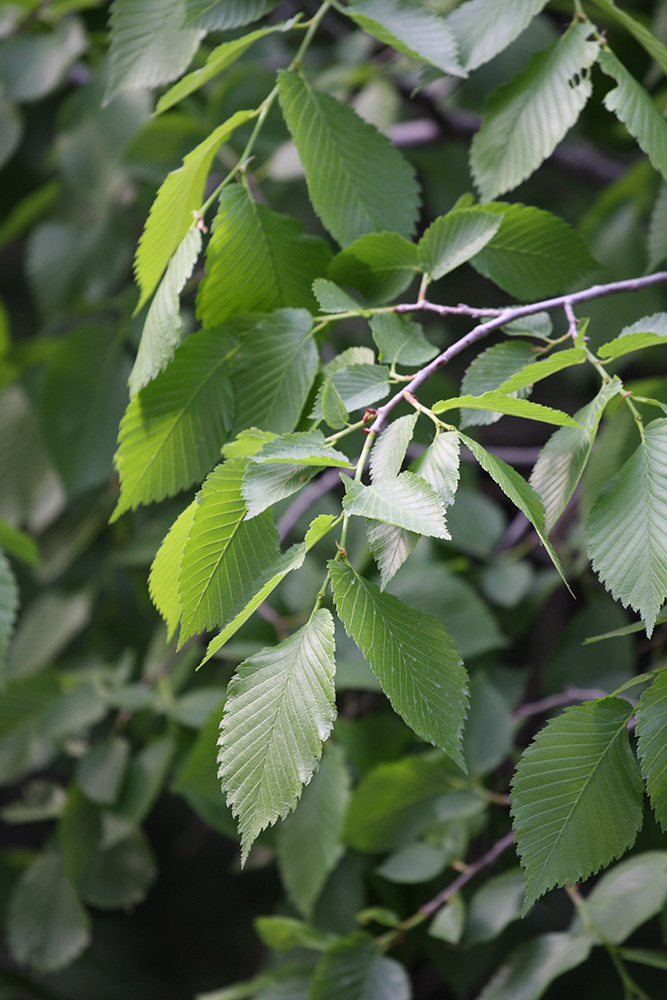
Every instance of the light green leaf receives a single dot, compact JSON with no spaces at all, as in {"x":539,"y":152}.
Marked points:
{"x":583,"y":763}
{"x":635,"y":108}
{"x":401,"y":341}
{"x":221,"y":15}
{"x":247,"y":442}
{"x":647,"y":332}
{"x":356,"y":386}
{"x":646,"y":38}
{"x":174,"y":427}
{"x":18,"y":544}
{"x":454,"y":238}
{"x":535,"y":372}
{"x":390,"y":448}
{"x":257,"y":260}
{"x":495,"y":401}
{"x":409,"y":27}
{"x":9,"y":603}
{"x":163,"y":328}
{"x":439,"y":465}
{"x":163,"y":576}
{"x":657,"y":230}
{"x":488,"y":371}
{"x":309,"y":841}
{"x":353,"y":969}
{"x":395,"y":802}
{"x":284,"y":933}
{"x":304,"y":448}
{"x":274,"y":371}
{"x":534,"y":254}
{"x":180,"y":195}
{"x":266,"y":484}
{"x":519,"y":492}
{"x":412,"y":656}
{"x":626,"y":530}
{"x":626,"y":897}
{"x":334,"y":411}
{"x":226,"y":560}
{"x":483,"y":28}
{"x":533,"y":965}
{"x":149,"y":44}
{"x":536,"y":325}
{"x":333,"y":299}
{"x":524,"y":120}
{"x":652,"y":734}
{"x":407,"y":501}
{"x":379,"y":265}
{"x":449,"y":921}
{"x":218,"y":60}
{"x":47,"y":925}
{"x":280,"y":707}
{"x":563,"y":458}
{"x":357,"y":181}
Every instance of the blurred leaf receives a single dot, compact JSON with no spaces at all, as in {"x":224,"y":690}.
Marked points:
{"x":100,"y":773}
{"x":657,"y":230}
{"x":220,"y":15}
{"x":449,"y":921}
{"x":652,"y":733}
{"x":9,"y":602}
{"x":352,"y":969}
{"x":487,"y":737}
{"x":33,"y":66}
{"x":626,"y":897}
{"x":483,"y":29}
{"x":46,"y":628}
{"x":18,"y":544}
{"x":495,"y":905}
{"x":11,"y":130}
{"x":533,"y":965}
{"x":197,"y":779}
{"x":284,"y":933}
{"x":412,"y":864}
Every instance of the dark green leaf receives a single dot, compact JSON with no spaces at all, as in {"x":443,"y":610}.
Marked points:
{"x":333,"y":299}
{"x":352,"y":969}
{"x":652,"y":734}
{"x":356,"y":386}
{"x":533,"y":965}
{"x":454,"y":238}
{"x":626,"y":897}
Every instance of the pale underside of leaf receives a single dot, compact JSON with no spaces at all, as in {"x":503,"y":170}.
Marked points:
{"x":279,"y":709}
{"x":411,"y":28}
{"x":407,"y":501}
{"x":390,"y":448}
{"x":221,"y":15}
{"x":401,"y":341}
{"x":485,"y":27}
{"x":635,"y":108}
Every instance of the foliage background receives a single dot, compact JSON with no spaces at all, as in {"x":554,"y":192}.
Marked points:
{"x":93,"y":688}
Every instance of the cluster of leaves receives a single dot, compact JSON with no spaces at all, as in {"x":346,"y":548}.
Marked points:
{"x":283,"y":381}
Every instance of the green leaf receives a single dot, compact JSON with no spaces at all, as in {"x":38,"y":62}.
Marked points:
{"x":407,"y":501}
{"x":396,"y":802}
{"x":174,"y":427}
{"x":34,"y":64}
{"x":390,"y":546}
{"x":218,"y":60}
{"x":646,"y":332}
{"x":524,"y":120}
{"x":165,"y":568}
{"x":635,"y":108}
{"x":483,"y":28}
{"x":352,"y":969}
{"x":643,"y":956}
{"x":488,"y":371}
{"x":18,"y":544}
{"x":9,"y":603}
{"x":274,"y":371}
{"x":357,"y":181}
{"x":626,"y":897}
{"x":412,"y":656}
{"x":534,"y":254}
{"x":496,"y":905}
{"x":145,"y":779}
{"x":411,"y":28}
{"x":577,"y":796}
{"x":309,"y":841}
{"x":196,"y":780}
{"x":563,"y":458}
{"x":449,"y":921}
{"x":280,"y":707}
{"x":496,"y":402}
{"x":400,"y":341}
{"x":149,"y":44}
{"x":246,"y":443}
{"x":303,"y":448}
{"x":414,"y":863}
{"x":519,"y":492}
{"x":101,"y":772}
{"x":454,"y":238}
{"x":356,"y":386}
{"x":47,"y":925}
{"x":439,"y":465}
{"x":390,"y":448}
{"x":334,"y":411}
{"x":180,"y":195}
{"x":646,"y":38}
{"x":379,"y":265}
{"x":657,"y":231}
{"x":536,"y":325}
{"x":163,"y":328}
{"x":626,"y":530}
{"x":257,"y":260}
{"x":533,"y":965}
{"x":535,"y":372}
{"x":221,"y":15}
{"x":333,"y":299}
{"x":652,"y":735}
{"x":265,"y":484}
{"x":285,"y":933}
{"x":226,"y":560}
{"x":11,"y":128}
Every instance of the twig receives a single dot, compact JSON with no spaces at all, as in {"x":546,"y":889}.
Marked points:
{"x":485,"y":861}
{"x":554,"y":700}
{"x":507,"y":316}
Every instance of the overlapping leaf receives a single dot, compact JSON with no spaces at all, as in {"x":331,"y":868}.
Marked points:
{"x":356,"y":386}
{"x":627,"y":528}
{"x":266,"y":483}
{"x":304,"y":447}
{"x":530,"y":374}
{"x":164,"y":569}
{"x":649,"y":331}
{"x":149,"y":44}
{"x":401,"y":341}
{"x":333,"y":299}
{"x":257,"y":260}
{"x":280,"y":707}
{"x":163,"y":328}
{"x":379,"y":265}
{"x":523,"y":121}
{"x":454,"y":238}
{"x":180,"y":195}
{"x":412,"y":656}
{"x":484,"y":27}
{"x":221,"y":15}
{"x":174,"y":427}
{"x":655,"y":48}
{"x":534,"y":254}
{"x":357,"y":181}
{"x":635,"y":108}
{"x":496,"y":402}
{"x":407,"y":501}
{"x":652,"y":734}
{"x":488,"y":371}
{"x":577,"y":796}
{"x":353,"y":969}
{"x":410,"y":27}
{"x":390,"y":545}
{"x":439,"y":465}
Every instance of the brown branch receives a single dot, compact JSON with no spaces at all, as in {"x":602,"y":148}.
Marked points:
{"x":485,"y":861}
{"x":570,"y":694}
